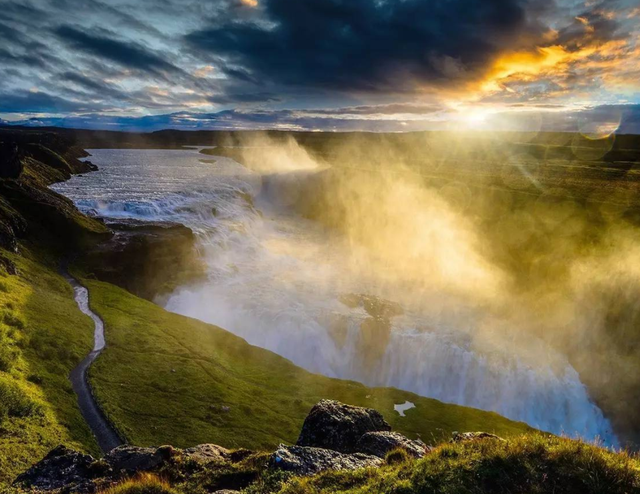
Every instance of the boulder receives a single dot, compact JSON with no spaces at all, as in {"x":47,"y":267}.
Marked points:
{"x":334,"y":425}
{"x":302,"y":460}
{"x":459,"y":437}
{"x":380,"y":443}
{"x":205,"y":453}
{"x":133,"y":459}
{"x":61,"y":468}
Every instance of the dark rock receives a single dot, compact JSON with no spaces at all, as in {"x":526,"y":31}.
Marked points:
{"x":149,"y":259}
{"x":380,"y":443}
{"x":205,"y":453}
{"x":309,"y":461}
{"x":334,"y":425}
{"x":61,"y":468}
{"x":133,"y":459}
{"x":11,"y":165}
{"x":459,"y":437}
{"x":90,"y":166}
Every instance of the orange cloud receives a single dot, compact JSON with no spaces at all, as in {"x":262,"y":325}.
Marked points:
{"x":610,"y":64}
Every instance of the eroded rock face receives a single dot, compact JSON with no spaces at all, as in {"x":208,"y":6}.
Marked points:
{"x":380,"y":443}
{"x":336,"y":426}
{"x":303,"y":460}
{"x":149,"y":259}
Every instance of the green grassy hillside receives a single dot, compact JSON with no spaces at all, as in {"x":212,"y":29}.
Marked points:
{"x":43,"y":336}
{"x":165,"y":378}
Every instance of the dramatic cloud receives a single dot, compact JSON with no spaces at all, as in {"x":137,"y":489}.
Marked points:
{"x":371,"y":45}
{"x":127,"y":54}
{"x":624,"y":118}
{"x":333,"y":64}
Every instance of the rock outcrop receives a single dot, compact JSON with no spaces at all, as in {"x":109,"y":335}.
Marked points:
{"x":138,"y":254}
{"x":30,"y":161}
{"x":71,"y":471}
{"x":336,"y":426}
{"x":380,"y":443}
{"x":335,"y":436}
{"x":302,"y":460}
{"x":61,"y":468}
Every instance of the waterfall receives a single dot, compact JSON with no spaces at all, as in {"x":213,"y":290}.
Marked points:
{"x":284,"y":284}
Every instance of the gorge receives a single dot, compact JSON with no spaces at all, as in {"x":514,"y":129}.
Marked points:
{"x":287,"y":284}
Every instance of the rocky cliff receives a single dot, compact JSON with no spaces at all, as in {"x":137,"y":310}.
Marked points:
{"x":133,"y":255}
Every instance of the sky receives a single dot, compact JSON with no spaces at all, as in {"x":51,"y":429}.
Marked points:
{"x":378,"y":65}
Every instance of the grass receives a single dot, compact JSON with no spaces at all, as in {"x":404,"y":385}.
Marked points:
{"x":530,"y":463}
{"x":141,"y":484}
{"x":168,"y":379}
{"x":42,"y":337}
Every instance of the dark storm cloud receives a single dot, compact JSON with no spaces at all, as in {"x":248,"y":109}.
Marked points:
{"x":353,"y":61}
{"x":125,"y":53}
{"x":40,"y":102}
{"x":369,"y":45}
{"x":94,"y":85}
{"x":225,"y":99}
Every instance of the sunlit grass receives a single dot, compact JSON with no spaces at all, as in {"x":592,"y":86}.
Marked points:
{"x":144,"y":483}
{"x":526,"y":464}
{"x":194,"y":383}
{"x":42,"y":337}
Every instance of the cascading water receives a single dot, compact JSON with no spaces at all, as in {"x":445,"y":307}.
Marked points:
{"x":283,"y":283}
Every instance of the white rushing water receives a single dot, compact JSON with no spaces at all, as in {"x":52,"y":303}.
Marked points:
{"x":285,"y":284}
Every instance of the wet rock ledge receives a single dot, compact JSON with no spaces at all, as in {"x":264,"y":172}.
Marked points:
{"x":149,"y":259}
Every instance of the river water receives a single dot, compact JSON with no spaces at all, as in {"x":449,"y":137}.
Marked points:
{"x":286,"y":284}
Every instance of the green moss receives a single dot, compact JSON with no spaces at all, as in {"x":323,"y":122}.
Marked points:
{"x":36,"y":399}
{"x":167,"y":379}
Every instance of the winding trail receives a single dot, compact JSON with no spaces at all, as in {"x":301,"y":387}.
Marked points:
{"x":104,"y":433}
